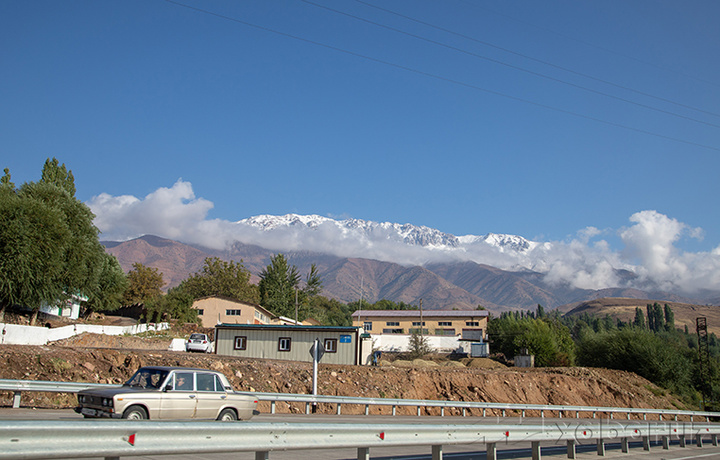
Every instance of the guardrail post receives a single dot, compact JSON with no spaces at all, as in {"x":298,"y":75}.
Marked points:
{"x":666,"y":442}
{"x":628,"y":415}
{"x":307,"y":408}
{"x":560,"y":414}
{"x":16,"y":400}
{"x":682,"y":440}
{"x":698,"y":440}
{"x":394,"y":409}
{"x":542,"y":414}
{"x":367,"y":409}
{"x":571,"y":448}
{"x":437,"y":453}
{"x":272,"y":407}
{"x":594,"y":414}
{"x":522,"y":413}
{"x":601,"y":447}
{"x":503,"y":412}
{"x":262,"y":455}
{"x":418,"y":411}
{"x":483,"y":412}
{"x":363,"y":453}
{"x":644,"y":416}
{"x":463,"y":412}
{"x":491,"y":451}
{"x":442,"y":411}
{"x":339,"y":410}
{"x":624,"y":445}
{"x":714,"y":440}
{"x":577,"y":414}
{"x":646,"y":442}
{"x":611,"y":415}
{"x":535,"y":450}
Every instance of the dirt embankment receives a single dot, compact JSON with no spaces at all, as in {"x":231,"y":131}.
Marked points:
{"x":104,"y":359}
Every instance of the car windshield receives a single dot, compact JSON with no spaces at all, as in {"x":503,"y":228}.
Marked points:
{"x":197,"y":337}
{"x":147,"y":378}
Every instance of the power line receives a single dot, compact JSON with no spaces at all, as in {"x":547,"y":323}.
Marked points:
{"x":438,"y":77}
{"x":592,"y":45}
{"x":521,"y":69}
{"x":565,"y":69}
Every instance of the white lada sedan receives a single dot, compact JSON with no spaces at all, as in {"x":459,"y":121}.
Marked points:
{"x":169,"y":393}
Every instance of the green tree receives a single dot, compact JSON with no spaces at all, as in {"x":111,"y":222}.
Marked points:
{"x":110,"y":288}
{"x":5,"y":180}
{"x":144,"y":284}
{"x":278,"y":282}
{"x":669,"y":318}
{"x":58,"y":175}
{"x":639,"y":320}
{"x":50,"y":245}
{"x":221,"y":278}
{"x":418,"y":345}
{"x":33,"y":238}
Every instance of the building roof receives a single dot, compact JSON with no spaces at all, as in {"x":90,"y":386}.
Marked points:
{"x":416,"y":313}
{"x":285,"y":327}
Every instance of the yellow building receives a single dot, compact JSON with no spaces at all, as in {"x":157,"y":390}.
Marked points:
{"x":222,"y":310}
{"x":468,"y":324}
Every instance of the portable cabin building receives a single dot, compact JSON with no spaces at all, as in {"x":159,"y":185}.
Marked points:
{"x":285,"y":342}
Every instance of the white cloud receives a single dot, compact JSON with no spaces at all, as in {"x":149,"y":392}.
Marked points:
{"x":584,"y":261}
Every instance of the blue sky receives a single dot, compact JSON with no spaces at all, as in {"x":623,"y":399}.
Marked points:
{"x":599,"y":111}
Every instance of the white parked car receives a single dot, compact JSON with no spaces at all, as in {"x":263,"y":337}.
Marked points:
{"x":199,"y":342}
{"x":163,"y":393}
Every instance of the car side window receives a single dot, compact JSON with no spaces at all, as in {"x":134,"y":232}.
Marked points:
{"x":205,"y":382}
{"x":183,"y":381}
{"x":218,"y":384}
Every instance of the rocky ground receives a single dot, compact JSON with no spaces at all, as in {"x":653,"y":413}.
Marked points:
{"x":107,"y":359}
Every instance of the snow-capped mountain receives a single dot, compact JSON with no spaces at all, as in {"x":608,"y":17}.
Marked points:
{"x":409,"y":234}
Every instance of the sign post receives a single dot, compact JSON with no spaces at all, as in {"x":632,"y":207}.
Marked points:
{"x":317,"y":351}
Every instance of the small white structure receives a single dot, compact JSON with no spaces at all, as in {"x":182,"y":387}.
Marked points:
{"x":69,"y":308}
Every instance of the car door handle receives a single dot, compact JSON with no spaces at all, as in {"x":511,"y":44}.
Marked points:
{"x":192,"y":396}
{"x":223,"y":397}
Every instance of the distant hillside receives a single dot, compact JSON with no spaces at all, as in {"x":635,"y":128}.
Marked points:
{"x":624,"y":308}
{"x":442,"y":286}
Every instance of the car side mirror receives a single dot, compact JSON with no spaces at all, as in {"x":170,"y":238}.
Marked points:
{"x":168,"y":388}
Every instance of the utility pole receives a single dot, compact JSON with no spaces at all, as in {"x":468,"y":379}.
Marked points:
{"x":421,"y":321}
{"x":704,"y":355}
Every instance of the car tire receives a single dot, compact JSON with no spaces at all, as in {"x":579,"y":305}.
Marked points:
{"x":135,"y":413}
{"x":227,"y":415}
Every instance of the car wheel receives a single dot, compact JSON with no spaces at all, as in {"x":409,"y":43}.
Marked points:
{"x":135,"y":413}
{"x":227,"y":415}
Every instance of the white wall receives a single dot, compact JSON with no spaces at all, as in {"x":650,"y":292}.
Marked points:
{"x":400,"y":342}
{"x":15,"y":334}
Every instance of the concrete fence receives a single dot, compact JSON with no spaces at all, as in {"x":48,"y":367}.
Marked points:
{"x":16,"y":334}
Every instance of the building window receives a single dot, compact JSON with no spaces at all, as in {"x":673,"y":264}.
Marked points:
{"x":446,"y":332}
{"x":201,"y":312}
{"x":284,"y":343}
{"x":444,"y":323}
{"x":472,"y":323}
{"x":330,"y":345}
{"x":232,"y":312}
{"x":392,"y":323}
{"x":240,"y":343}
{"x":416,"y":330}
{"x":417,"y":323}
{"x":367,"y":326}
{"x":393,"y":331}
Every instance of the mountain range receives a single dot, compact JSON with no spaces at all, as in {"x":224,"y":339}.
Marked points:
{"x":445,"y":283}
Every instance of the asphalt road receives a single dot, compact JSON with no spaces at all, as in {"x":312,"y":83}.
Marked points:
{"x":461,"y":452}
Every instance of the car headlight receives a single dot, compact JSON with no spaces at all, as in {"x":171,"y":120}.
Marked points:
{"x":81,"y":398}
{"x":107,"y":402}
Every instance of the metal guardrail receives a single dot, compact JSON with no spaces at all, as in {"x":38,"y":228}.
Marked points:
{"x":114,"y":439}
{"x":18,"y":386}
